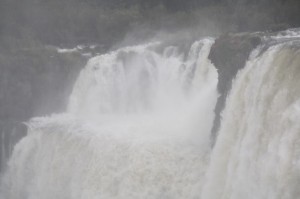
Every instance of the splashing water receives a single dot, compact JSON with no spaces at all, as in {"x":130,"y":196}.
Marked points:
{"x":257,"y":151}
{"x":138,"y":126}
{"x":139,"y":121}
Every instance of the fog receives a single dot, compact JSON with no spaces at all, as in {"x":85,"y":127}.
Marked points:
{"x":70,"y":22}
{"x":38,"y":70}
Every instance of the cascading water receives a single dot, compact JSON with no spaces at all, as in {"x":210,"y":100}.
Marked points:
{"x":139,"y":123}
{"x":138,"y":127}
{"x":257,"y":154}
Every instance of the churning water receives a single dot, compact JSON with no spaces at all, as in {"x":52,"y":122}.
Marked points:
{"x":257,"y":154}
{"x":138,"y":126}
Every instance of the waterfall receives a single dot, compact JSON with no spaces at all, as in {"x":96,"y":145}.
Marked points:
{"x":138,"y":126}
{"x":257,"y":154}
{"x":139,"y":121}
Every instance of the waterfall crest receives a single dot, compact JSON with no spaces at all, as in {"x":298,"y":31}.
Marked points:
{"x":138,"y":126}
{"x":137,"y":79}
{"x":139,"y":121}
{"x":257,"y":151}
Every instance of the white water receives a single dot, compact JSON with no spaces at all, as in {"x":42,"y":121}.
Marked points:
{"x":257,"y":154}
{"x":138,"y":127}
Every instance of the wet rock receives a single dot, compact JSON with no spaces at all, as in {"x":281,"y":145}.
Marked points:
{"x":33,"y":82}
{"x":229,"y":54}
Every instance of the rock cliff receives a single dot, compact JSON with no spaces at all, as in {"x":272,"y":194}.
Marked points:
{"x":229,"y":54}
{"x":33,"y":82}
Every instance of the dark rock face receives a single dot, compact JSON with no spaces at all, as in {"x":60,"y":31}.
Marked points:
{"x":10,"y":133}
{"x":229,"y":54}
{"x":33,"y":82}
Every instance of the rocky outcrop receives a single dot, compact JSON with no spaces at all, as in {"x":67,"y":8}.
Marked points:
{"x":33,"y":82}
{"x":229,"y":54}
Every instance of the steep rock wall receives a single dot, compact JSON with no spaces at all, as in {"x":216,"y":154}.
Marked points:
{"x":229,"y":54}
{"x":33,"y":82}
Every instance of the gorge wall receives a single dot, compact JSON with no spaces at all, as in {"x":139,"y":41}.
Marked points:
{"x":39,"y":83}
{"x":33,"y":82}
{"x":229,"y":54}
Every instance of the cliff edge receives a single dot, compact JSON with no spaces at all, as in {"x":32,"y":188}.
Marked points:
{"x":229,"y":54}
